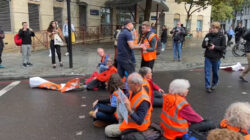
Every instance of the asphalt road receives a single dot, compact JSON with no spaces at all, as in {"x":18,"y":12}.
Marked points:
{"x":37,"y":114}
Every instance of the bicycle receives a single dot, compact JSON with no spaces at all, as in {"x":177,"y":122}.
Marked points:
{"x":239,"y":49}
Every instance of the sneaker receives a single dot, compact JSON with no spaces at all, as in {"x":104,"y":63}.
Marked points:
{"x":213,"y":87}
{"x":1,"y":66}
{"x":162,"y":50}
{"x":66,"y":54}
{"x":208,"y":90}
{"x":54,"y":66}
{"x":61,"y":64}
{"x":100,"y":123}
{"x":243,"y":79}
{"x":24,"y":64}
{"x":29,"y":64}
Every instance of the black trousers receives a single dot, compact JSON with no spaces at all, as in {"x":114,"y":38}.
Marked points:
{"x":149,"y":64}
{"x":124,"y":67}
{"x":67,"y":40}
{"x":57,"y":49}
{"x":1,"y":51}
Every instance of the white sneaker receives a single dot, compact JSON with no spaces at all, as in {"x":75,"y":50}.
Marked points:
{"x":66,"y":54}
{"x":162,"y":50}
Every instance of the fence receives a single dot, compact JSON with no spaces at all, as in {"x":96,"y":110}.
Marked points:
{"x":83,"y":34}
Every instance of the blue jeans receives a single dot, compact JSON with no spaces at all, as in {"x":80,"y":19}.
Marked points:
{"x":177,"y":50}
{"x":102,"y":68}
{"x":215,"y":66}
{"x":163,"y":45}
{"x":107,"y":117}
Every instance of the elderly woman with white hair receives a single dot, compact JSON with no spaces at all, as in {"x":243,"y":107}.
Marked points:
{"x":177,"y":115}
{"x":237,"y":118}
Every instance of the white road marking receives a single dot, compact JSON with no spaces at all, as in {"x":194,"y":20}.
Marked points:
{"x":244,"y":93}
{"x":83,"y":105}
{"x":82,"y":117}
{"x":83,"y":97}
{"x":79,"y":133}
{"x":9,"y":87}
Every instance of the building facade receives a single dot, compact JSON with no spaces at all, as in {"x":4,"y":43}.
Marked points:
{"x":93,"y":19}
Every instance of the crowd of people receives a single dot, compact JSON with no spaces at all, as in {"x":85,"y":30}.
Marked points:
{"x":178,"y":119}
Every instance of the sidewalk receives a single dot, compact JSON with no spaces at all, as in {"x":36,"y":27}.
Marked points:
{"x":85,"y":61}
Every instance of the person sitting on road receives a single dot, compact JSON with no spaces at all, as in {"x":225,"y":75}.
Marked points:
{"x":224,"y":134}
{"x":105,"y":110}
{"x":100,"y":79}
{"x":103,"y":64}
{"x":177,"y":115}
{"x":139,"y":109}
{"x":156,"y":91}
{"x":237,"y":118}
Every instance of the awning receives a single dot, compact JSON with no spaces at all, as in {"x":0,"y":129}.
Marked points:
{"x":141,"y":3}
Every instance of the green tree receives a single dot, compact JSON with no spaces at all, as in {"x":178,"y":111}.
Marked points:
{"x":222,"y":12}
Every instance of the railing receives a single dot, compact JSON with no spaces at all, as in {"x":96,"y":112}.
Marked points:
{"x":83,"y":34}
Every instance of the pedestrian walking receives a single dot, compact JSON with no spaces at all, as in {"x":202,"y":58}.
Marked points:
{"x":238,"y":33}
{"x":2,"y":36}
{"x":25,"y":34}
{"x":246,"y":37}
{"x":178,"y":33}
{"x":164,"y":36}
{"x":230,"y":35}
{"x":56,"y":36}
{"x":125,"y":45}
{"x":66,"y":34}
{"x":214,"y":44}
{"x":149,"y":52}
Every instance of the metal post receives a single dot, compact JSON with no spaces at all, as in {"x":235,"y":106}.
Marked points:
{"x":156,"y":26}
{"x":69,"y":31}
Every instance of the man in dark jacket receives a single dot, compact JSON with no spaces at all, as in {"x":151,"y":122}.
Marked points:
{"x":1,"y":45}
{"x":215,"y":45}
{"x":164,"y":36}
{"x":25,"y":33}
{"x":239,"y":31}
{"x":246,"y":37}
{"x":178,"y":33}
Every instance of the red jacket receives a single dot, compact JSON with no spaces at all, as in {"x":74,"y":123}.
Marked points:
{"x":153,"y":87}
{"x":104,"y":76}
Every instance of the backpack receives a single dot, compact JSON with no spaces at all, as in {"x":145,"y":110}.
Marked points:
{"x":158,"y":41}
{"x":18,"y":40}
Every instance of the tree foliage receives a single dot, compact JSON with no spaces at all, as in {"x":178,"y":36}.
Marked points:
{"x":222,"y":12}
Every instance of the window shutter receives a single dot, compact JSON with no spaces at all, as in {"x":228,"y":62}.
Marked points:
{"x":5,"y":21}
{"x":58,"y":16}
{"x":34,"y":21}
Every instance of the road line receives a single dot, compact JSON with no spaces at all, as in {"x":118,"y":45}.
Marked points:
{"x":9,"y":87}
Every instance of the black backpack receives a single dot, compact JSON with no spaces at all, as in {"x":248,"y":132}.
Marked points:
{"x":158,"y":41}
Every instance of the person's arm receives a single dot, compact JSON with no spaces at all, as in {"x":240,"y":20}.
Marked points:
{"x":2,"y":35}
{"x":152,"y":45}
{"x":32,"y":33}
{"x":204,"y":43}
{"x":190,"y":115}
{"x":139,"y":115}
{"x":222,"y":45}
{"x":73,"y":28}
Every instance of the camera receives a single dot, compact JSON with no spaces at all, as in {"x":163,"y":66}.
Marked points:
{"x":208,"y":41}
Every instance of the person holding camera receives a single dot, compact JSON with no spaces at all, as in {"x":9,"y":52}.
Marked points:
{"x":214,"y":44}
{"x":178,"y":33}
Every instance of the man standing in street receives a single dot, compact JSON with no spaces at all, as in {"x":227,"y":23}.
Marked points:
{"x":178,"y":33}
{"x":149,"y":52}
{"x":66,"y":34}
{"x":215,"y":45}
{"x":1,"y":45}
{"x":125,"y":45}
{"x":25,"y":33}
{"x":238,"y":33}
{"x":246,"y":37}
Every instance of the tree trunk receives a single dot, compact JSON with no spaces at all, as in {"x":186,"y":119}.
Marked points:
{"x":187,"y":22}
{"x":147,"y":10}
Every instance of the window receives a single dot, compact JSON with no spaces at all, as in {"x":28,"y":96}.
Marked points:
{"x":105,"y":15}
{"x":199,"y":25}
{"x":5,"y":21}
{"x":123,"y":14}
{"x":176,"y":19}
{"x":58,"y":16}
{"x":34,"y":21}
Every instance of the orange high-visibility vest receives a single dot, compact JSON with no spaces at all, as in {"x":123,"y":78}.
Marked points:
{"x":135,"y":36}
{"x":148,"y":56}
{"x":104,"y":76}
{"x":147,"y":87}
{"x":135,"y":101}
{"x":103,"y":58}
{"x":225,"y":124}
{"x":115,"y":93}
{"x":172,"y":124}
